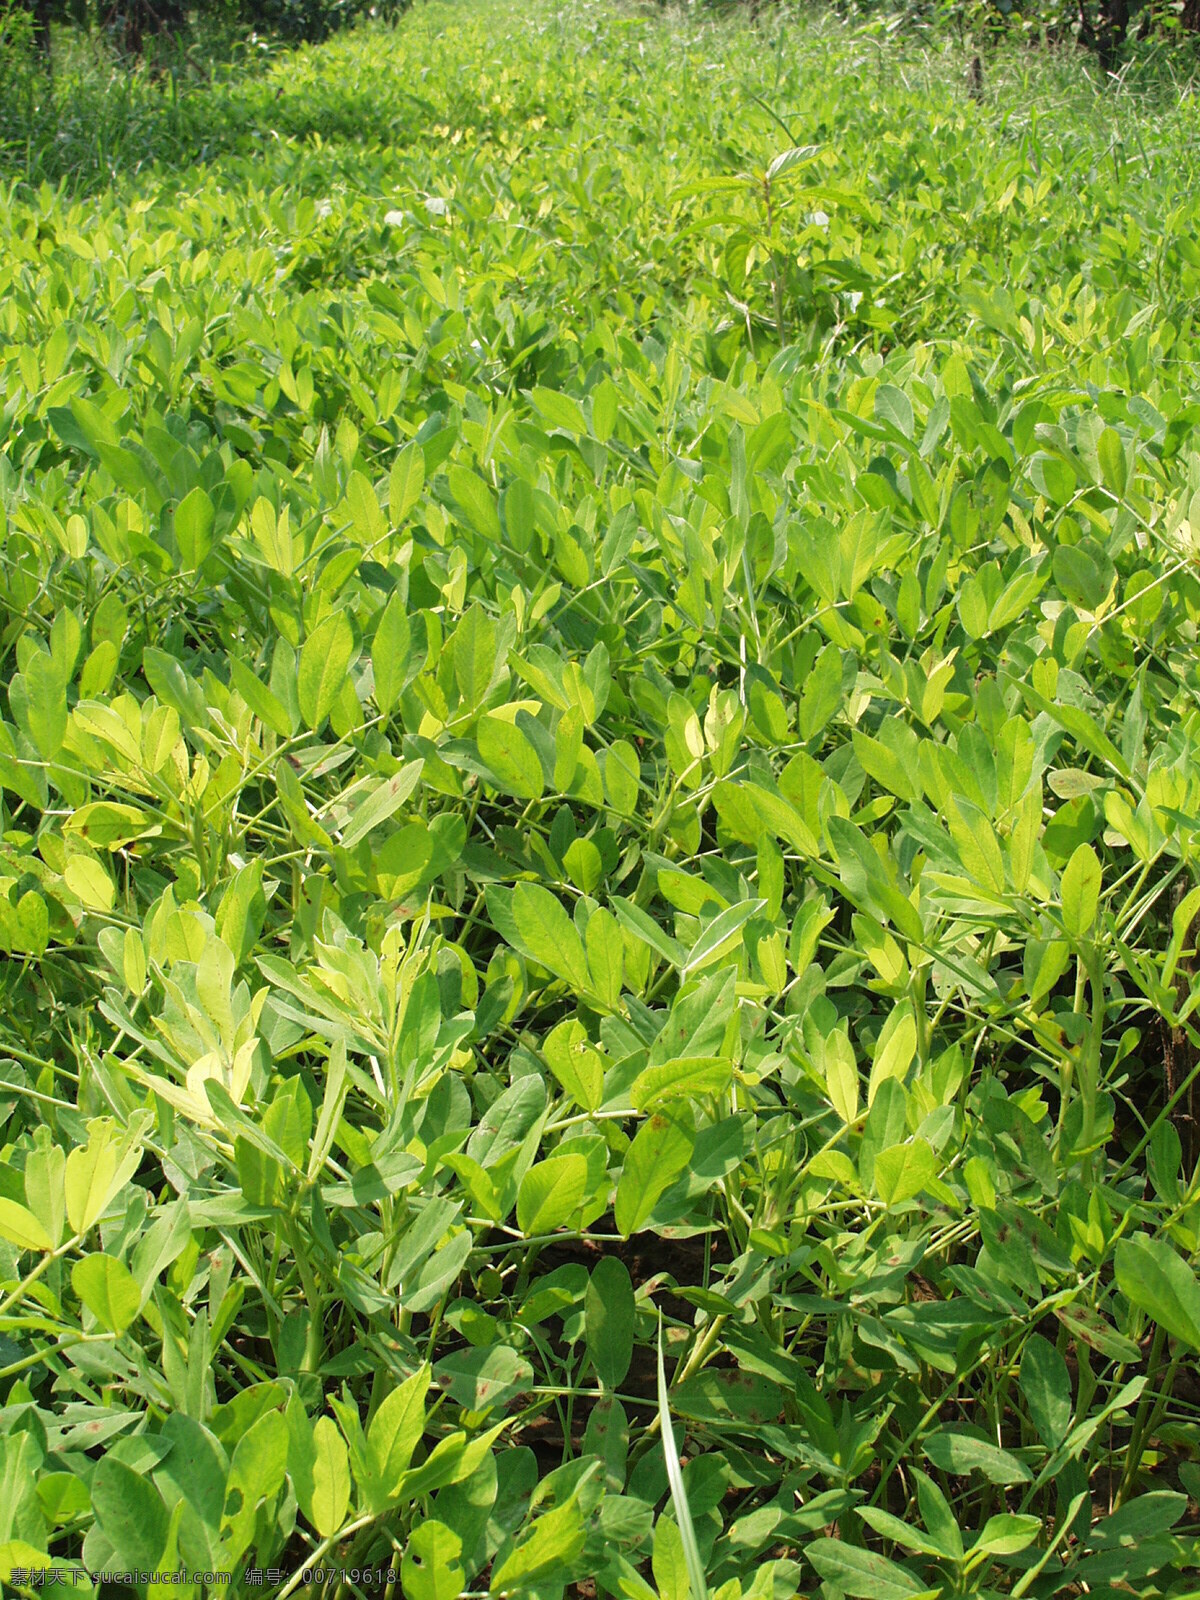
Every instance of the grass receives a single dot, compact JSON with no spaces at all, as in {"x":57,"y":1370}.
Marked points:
{"x":598,"y":857}
{"x":96,"y":120}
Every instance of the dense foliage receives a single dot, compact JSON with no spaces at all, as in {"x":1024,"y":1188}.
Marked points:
{"x":134,"y":25}
{"x":600,"y":779}
{"x":89,"y":88}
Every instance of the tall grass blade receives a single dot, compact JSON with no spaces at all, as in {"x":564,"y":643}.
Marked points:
{"x":679,"y":1500}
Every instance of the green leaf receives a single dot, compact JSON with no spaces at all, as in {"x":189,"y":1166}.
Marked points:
{"x":550,"y":1193}
{"x":18,"y":1555}
{"x":609,"y":1320}
{"x":301,"y":1453}
{"x":673,"y":1080}
{"x":405,"y":482}
{"x":45,"y":703}
{"x":265,"y":705}
{"x":1110,"y":451}
{"x":330,"y":1478}
{"x":63,"y":1496}
{"x":1006,"y":1534}
{"x":108,"y":825}
{"x":1053,"y":477}
{"x":938,"y":1516}
{"x":511,"y":757}
{"x":605,"y":956}
{"x":962,"y":1453}
{"x":658,"y":1154}
{"x":645,"y":928}
{"x":1046,"y":1384}
{"x":669,"y":1562}
{"x":699,"y":1021}
{"x":107,"y":1288}
{"x":479,"y":1379}
{"x":721,"y":935}
{"x":548,"y":934}
{"x":380,"y":803}
{"x":451,"y":1460}
{"x":862,"y":1573}
{"x":894,"y":1049}
{"x":430,"y":1568}
{"x":1081,"y":891}
{"x":193,"y":1471}
{"x":130,"y":1513}
{"x":547,"y":1550}
{"x":903,"y":1170}
{"x":560,"y":410}
{"x":1082,"y":727}
{"x":369,"y":525}
{"x":20,"y":1227}
{"x":899,"y":1532}
{"x":324,"y":663}
{"x":391,"y":653}
{"x":885,"y":765}
{"x":242,"y":911}
{"x":1156,"y":1279}
{"x":1150,"y":1513}
{"x":576,"y":1063}
{"x":841,"y":1076}
{"x":194,"y":520}
{"x":395,"y":1432}
{"x":786,"y":161}
{"x":622,"y":771}
{"x":95,"y":1173}
{"x":478,"y":502}
{"x":893,"y":406}
{"x":256,"y":1473}
{"x":474,"y":647}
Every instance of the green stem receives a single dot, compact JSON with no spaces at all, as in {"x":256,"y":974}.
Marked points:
{"x":312,"y":1343}
{"x":1142,"y":1421}
{"x":22,"y":1289}
{"x":325,"y":1545}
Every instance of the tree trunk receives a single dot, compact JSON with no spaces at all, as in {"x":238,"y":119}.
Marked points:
{"x":1107,"y":35}
{"x":138,"y":20}
{"x":40,"y":11}
{"x":1114,"y":25}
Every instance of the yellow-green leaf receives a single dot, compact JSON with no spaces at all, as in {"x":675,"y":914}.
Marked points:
{"x":20,"y":1227}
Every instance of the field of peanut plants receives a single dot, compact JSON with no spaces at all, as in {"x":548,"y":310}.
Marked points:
{"x":600,"y":824}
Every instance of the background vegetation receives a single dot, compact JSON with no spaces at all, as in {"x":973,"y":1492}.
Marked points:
{"x":598,"y":869}
{"x":92,"y":87}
